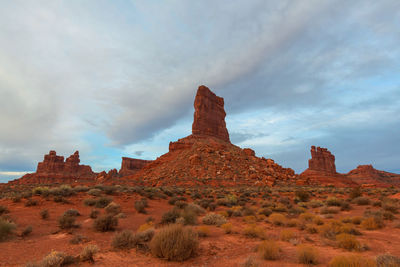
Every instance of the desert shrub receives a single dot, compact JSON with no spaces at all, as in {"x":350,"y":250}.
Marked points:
{"x":292,"y":223}
{"x":250,"y":219}
{"x":6,"y":228}
{"x":315,"y":203}
{"x":214,"y":219}
{"x":55,"y":259}
{"x":113,"y":208}
{"x":170,"y":216}
{"x":254,"y":231}
{"x":88,"y":253}
{"x":81,"y":188}
{"x":60,"y":199}
{"x":195,"y":208}
{"x":27,"y":231}
{"x":94,"y":192}
{"x":351,"y":261}
{"x":89,"y":202}
{"x":306,"y":217}
{"x":3,"y":210}
{"x":348,"y":242}
{"x":71,"y":212}
{"x":227,"y":227}
{"x":31,"y":202}
{"x":330,"y":210}
{"x":66,"y":222}
{"x":102,"y":202}
{"x":302,"y":195}
{"x":333,"y":201}
{"x":94,"y":214}
{"x":203,"y":231}
{"x":318,"y":220}
{"x":44,"y":214}
{"x":123,"y":240}
{"x":387,"y":260}
{"x":311,"y":229}
{"x":391,"y":207}
{"x":356,"y":220}
{"x":77,"y":239}
{"x":349,"y":229}
{"x":140,"y":206}
{"x":172,"y":200}
{"x":105,"y":223}
{"x":174,"y":242}
{"x":269,"y":250}
{"x":277,"y":219}
{"x":355,"y":193}
{"x":307,"y":255}
{"x":287,"y":235}
{"x":43,"y":191}
{"x":345,"y":206}
{"x":180,"y":204}
{"x":362,"y":201}
{"x":387,"y":215}
{"x":189,"y":217}
{"x":265,"y":211}
{"x":371,"y":223}
{"x":330,"y":229}
{"x":16,"y":198}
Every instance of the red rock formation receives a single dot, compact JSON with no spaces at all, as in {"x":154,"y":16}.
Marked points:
{"x":322,"y":160}
{"x":130,"y":166}
{"x":53,"y":169}
{"x":208,"y":158}
{"x":322,"y":170}
{"x":368,"y":175}
{"x":209,"y":115}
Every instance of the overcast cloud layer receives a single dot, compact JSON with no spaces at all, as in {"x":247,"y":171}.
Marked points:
{"x":118,"y":78}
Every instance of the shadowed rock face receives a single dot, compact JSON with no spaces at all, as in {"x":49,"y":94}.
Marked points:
{"x":209,"y":115}
{"x":322,"y":160}
{"x":130,"y":165}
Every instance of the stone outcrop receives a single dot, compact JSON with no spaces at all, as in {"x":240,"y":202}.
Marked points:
{"x":209,"y":115}
{"x":322,"y":170}
{"x":53,"y":169}
{"x":206,"y":157}
{"x":367,"y":175}
{"x":322,"y":160}
{"x":130,"y":166}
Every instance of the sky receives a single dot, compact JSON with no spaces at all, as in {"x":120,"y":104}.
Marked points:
{"x":118,"y":78}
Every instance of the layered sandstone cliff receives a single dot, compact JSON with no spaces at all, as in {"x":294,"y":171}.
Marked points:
{"x":367,"y":175}
{"x":53,"y":169}
{"x":130,"y":166}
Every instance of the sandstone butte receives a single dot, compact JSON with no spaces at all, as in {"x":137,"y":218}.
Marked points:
{"x":207,"y":157}
{"x":53,"y":169}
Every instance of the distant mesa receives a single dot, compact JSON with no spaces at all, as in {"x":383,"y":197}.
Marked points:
{"x":322,"y":170}
{"x":130,"y":166}
{"x":53,"y":169}
{"x":368,"y":175}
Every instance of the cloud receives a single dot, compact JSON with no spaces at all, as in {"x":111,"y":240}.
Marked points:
{"x":128,"y":71}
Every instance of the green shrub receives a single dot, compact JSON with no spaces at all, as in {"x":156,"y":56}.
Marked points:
{"x":6,"y":228}
{"x":307,"y":255}
{"x":174,"y":242}
{"x":44,"y":214}
{"x":302,"y":195}
{"x":88,"y":253}
{"x":214,"y":219}
{"x":269,"y":250}
{"x":105,"y":223}
{"x":3,"y":210}
{"x":103,"y":202}
{"x":351,"y":261}
{"x":113,"y":208}
{"x":140,"y":206}
{"x":66,"y":222}
{"x":27,"y":231}
{"x":348,"y":242}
